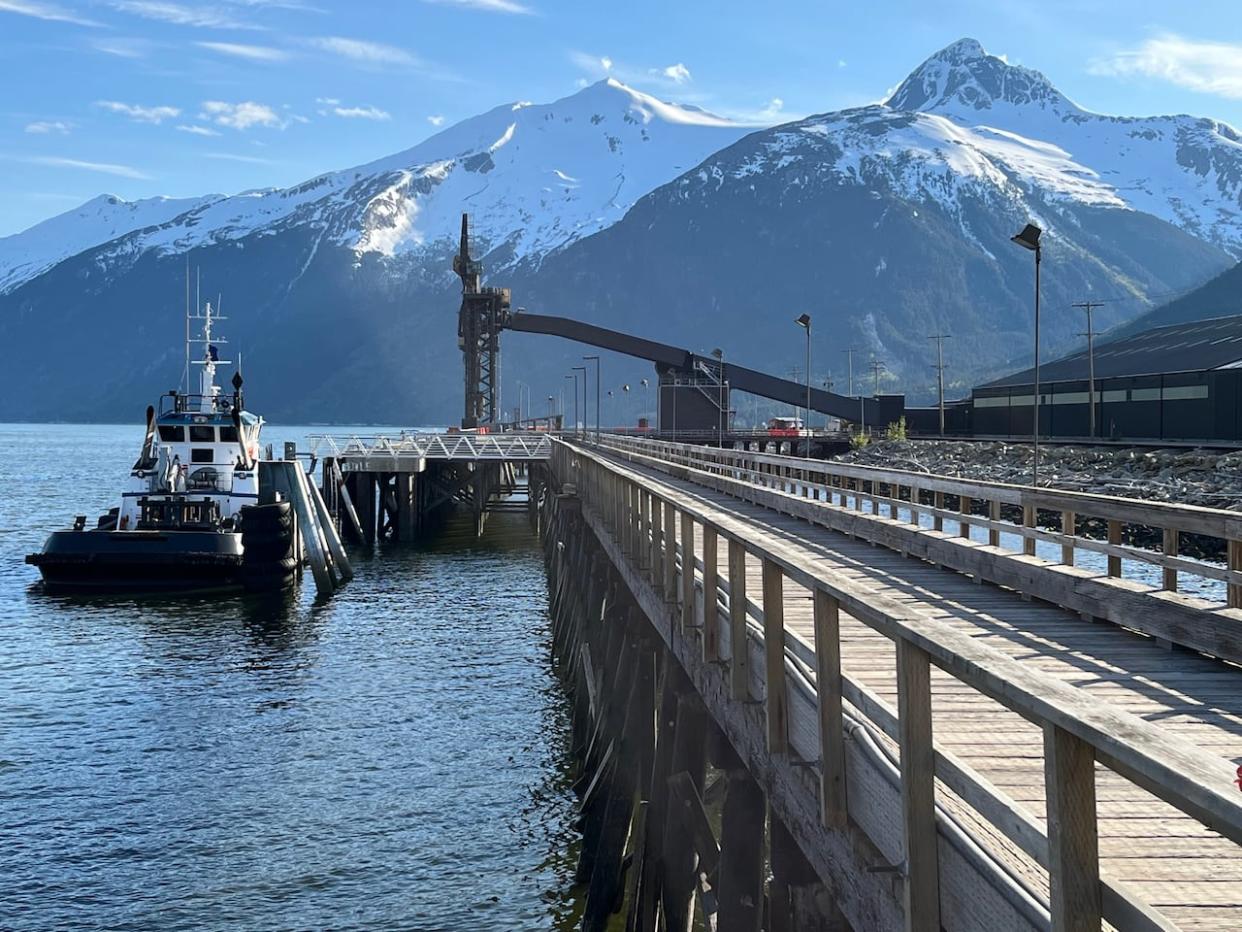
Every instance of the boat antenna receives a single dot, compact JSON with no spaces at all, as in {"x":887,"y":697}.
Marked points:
{"x":185,"y":375}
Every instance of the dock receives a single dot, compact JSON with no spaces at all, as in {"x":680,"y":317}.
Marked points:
{"x":940,"y":724}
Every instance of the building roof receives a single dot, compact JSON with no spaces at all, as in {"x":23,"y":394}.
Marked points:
{"x":1190,"y":347}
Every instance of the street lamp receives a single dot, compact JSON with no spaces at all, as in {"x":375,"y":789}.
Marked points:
{"x":583,"y":370}
{"x":720,"y":402}
{"x":804,"y":321}
{"x":550,"y":400}
{"x":647,"y":401}
{"x":594,"y":359}
{"x":1029,"y":239}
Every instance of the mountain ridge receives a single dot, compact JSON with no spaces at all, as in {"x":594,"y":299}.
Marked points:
{"x":668,"y":221}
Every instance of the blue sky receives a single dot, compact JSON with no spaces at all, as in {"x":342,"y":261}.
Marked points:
{"x":144,"y":97}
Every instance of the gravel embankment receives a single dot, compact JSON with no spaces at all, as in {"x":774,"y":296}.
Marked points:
{"x":1193,"y":477}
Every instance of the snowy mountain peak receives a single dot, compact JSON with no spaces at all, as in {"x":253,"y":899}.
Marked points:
{"x":963,"y":79}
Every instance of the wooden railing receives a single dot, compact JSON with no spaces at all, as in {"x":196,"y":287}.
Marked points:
{"x":655,"y":530}
{"x":994,"y":531}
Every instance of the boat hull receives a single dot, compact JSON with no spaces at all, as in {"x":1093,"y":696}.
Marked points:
{"x":139,"y":561}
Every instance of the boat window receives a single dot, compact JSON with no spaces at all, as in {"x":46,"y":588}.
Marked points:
{"x":201,"y":455}
{"x":172,"y":433}
{"x":202,"y":433}
{"x":228,"y":434}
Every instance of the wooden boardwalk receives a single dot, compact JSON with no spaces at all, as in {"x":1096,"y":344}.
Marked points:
{"x":1189,"y":874}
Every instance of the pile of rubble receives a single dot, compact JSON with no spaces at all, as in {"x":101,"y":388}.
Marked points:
{"x":1192,"y":477}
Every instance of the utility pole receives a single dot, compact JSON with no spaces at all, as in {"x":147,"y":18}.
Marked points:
{"x":939,"y":367}
{"x":876,"y":367}
{"x":849,"y":354}
{"x":1089,"y":306}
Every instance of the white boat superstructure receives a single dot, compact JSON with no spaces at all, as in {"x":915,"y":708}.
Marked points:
{"x":199,"y":463}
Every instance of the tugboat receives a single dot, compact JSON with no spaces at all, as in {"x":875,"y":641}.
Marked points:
{"x":195,"y":486}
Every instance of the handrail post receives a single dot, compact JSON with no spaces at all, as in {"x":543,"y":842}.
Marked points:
{"x":670,"y":553}
{"x":994,"y":514}
{"x":918,"y":788}
{"x":1028,"y":520}
{"x":655,"y":520}
{"x":1114,"y":537}
{"x":739,"y":666}
{"x":832,"y":795}
{"x":1073,"y":842}
{"x":938,"y":504}
{"x":1068,"y":521}
{"x":711,"y":636}
{"x":774,"y":654}
{"x":687,"y":571}
{"x":966,"y":504}
{"x":1235,"y":563}
{"x":1169,"y":547}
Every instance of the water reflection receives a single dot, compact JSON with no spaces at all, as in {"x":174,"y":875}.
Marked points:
{"x":395,"y":757}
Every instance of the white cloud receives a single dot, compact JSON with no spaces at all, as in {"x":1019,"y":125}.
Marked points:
{"x":139,"y":113}
{"x":48,"y":11}
{"x":774,"y":107}
{"x":240,"y":115}
{"x":374,"y":53}
{"x":678,"y":73}
{"x":436,"y":120}
{"x":248,"y":159}
{"x":204,"y":17}
{"x":1206,"y":67}
{"x":841,"y":63}
{"x":105,"y":168}
{"x":49,"y":126}
{"x":249,"y":52}
{"x":606,"y":63}
{"x":489,"y":6}
{"x":123,"y":48}
{"x":362,"y":113}
{"x":328,"y":101}
{"x":198,"y":130}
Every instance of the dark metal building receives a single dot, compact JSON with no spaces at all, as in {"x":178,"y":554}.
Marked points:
{"x":1180,"y":382}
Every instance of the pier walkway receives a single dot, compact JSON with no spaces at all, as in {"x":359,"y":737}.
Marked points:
{"x":1081,"y":716}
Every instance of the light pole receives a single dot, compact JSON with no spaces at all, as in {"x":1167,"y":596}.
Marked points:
{"x":625,"y":405}
{"x":583,"y":370}
{"x":1089,"y":306}
{"x":647,"y":400}
{"x":804,"y":321}
{"x":550,"y":400}
{"x":939,"y":367}
{"x":862,"y":411}
{"x":1029,"y":239}
{"x":594,"y":359}
{"x":720,"y":402}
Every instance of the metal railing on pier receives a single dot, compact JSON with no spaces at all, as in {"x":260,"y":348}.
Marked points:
{"x":397,"y":452}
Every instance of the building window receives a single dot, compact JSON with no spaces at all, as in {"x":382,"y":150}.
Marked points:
{"x":201,"y":455}
{"x":172,"y":433}
{"x":998,"y":401}
{"x":1144,"y":394}
{"x":1118,"y":394}
{"x":202,"y":433}
{"x":1185,"y":392}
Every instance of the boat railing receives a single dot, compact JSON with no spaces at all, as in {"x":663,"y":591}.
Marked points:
{"x":179,"y":403}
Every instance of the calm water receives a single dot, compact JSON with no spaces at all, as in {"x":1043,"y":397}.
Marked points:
{"x":395,"y":758}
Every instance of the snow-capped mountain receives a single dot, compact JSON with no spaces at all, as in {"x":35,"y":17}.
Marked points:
{"x":25,"y":255}
{"x":894,"y":220}
{"x":534,"y":177}
{"x":1182,"y":169}
{"x":887,"y":223}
